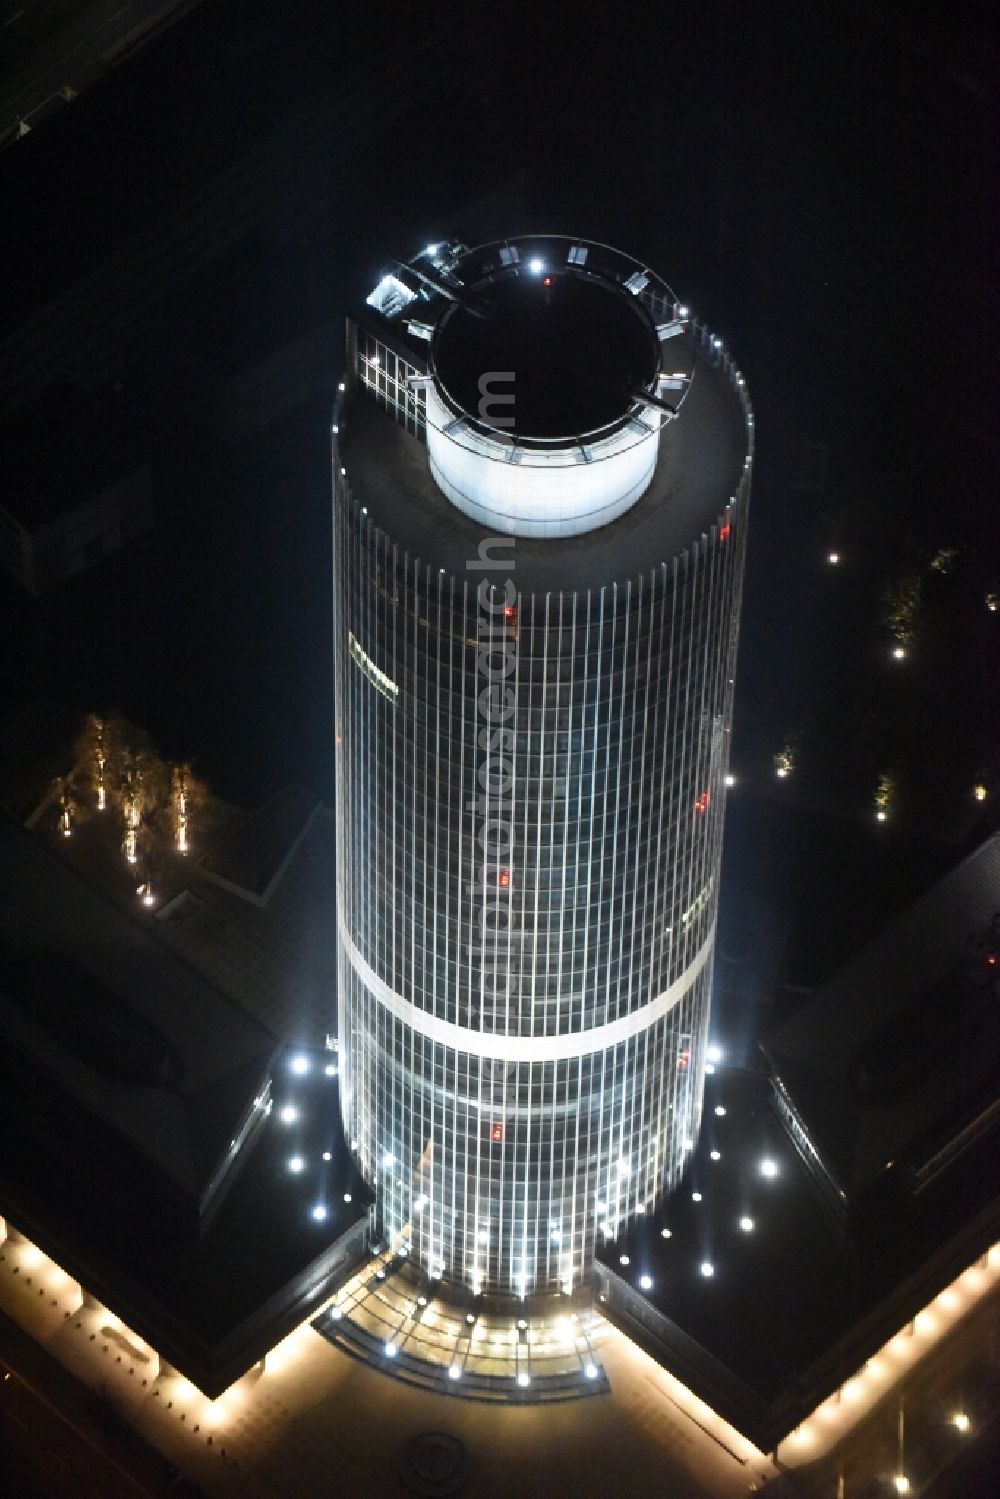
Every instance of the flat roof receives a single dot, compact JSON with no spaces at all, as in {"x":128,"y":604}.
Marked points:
{"x":254,"y":856}
{"x":51,"y":917}
{"x":701,"y":460}
{"x":795,"y":1300}
{"x":211,"y":1300}
{"x":66,"y":448}
{"x":274,"y":959}
{"x":907,"y":981}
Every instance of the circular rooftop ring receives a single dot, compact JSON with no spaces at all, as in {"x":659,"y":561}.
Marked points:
{"x":571,"y":348}
{"x":544,"y":413}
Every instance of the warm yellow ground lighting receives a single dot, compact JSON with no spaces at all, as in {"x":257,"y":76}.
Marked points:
{"x":811,"y":1439}
{"x":224,"y":1408}
{"x":687,"y":1402}
{"x":893,"y":1362}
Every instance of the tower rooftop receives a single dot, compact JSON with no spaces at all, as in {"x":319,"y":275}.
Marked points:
{"x":549,"y":374}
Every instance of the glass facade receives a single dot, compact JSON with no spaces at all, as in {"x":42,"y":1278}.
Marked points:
{"x":530,"y":803}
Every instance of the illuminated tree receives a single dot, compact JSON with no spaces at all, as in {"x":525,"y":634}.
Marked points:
{"x":143,"y":791}
{"x":187,"y":795}
{"x":99,"y":753}
{"x":901,"y":606}
{"x":784,"y":760}
{"x":885,"y":794}
{"x":67,"y":809}
{"x":116,"y":764}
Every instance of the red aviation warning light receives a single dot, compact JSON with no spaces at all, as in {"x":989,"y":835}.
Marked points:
{"x":510,"y":611}
{"x":496,"y":1133}
{"x":503,"y":879}
{"x":724,"y":531}
{"x":702,"y":804}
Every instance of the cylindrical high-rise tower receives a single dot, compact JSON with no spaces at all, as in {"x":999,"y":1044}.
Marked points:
{"x":541,"y":481}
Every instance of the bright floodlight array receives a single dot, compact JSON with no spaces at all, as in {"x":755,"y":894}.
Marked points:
{"x":528,"y":881}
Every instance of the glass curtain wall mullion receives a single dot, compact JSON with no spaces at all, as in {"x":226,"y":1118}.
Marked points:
{"x":613,"y":757}
{"x":634,"y":863}
{"x":569,"y":1169}
{"x":639,"y":992}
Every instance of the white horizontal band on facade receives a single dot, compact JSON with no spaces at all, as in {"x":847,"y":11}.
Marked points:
{"x":527,"y":1048}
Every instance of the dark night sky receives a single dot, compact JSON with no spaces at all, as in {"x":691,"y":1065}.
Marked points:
{"x":816,"y":180}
